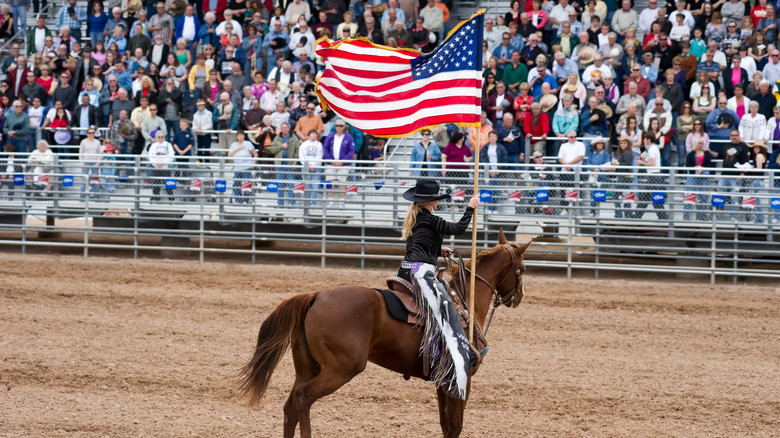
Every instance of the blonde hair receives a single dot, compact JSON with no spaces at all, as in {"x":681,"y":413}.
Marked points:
{"x":410,"y":220}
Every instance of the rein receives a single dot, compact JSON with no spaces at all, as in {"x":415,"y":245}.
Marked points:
{"x":497,"y":298}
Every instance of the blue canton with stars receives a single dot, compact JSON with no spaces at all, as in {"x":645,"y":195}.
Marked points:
{"x":461,"y":51}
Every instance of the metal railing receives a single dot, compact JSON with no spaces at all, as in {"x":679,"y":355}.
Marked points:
{"x":581,"y":220}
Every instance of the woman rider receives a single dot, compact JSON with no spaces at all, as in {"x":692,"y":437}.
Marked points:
{"x":445,"y":343}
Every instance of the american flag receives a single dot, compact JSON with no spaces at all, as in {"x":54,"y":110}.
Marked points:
{"x":389,"y":92}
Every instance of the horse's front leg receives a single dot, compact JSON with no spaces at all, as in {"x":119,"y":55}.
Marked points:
{"x":451,"y":412}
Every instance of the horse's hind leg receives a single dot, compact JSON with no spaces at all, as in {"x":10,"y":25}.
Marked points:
{"x":451,"y":412}
{"x":325,"y":383}
{"x":305,"y":369}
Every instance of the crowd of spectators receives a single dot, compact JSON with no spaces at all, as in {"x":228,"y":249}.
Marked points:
{"x":672,"y":81}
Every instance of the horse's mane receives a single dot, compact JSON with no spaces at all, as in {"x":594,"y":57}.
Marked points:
{"x":480,"y":255}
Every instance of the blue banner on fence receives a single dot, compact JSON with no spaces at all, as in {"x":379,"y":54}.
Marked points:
{"x":774,"y":204}
{"x":273,"y":187}
{"x":378,"y":185}
{"x":67,"y":180}
{"x":600,"y":195}
{"x":485,"y":196}
{"x":220,"y":186}
{"x":719,"y":201}
{"x":659,"y":198}
{"x":542,"y":195}
{"x":18,"y":180}
{"x":170,"y":184}
{"x":326,"y":184}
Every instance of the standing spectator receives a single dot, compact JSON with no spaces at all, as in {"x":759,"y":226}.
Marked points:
{"x":187,"y":27}
{"x":593,"y":122}
{"x":71,"y":16}
{"x":426,"y":156}
{"x":202,"y":121}
{"x":161,"y":156}
{"x":735,"y":155}
{"x":752,"y":125}
{"x":309,"y":121}
{"x":169,"y":100}
{"x":89,"y":159}
{"x":310,"y":153}
{"x":153,"y":123}
{"x":536,"y":127}
{"x":124,"y":134}
{"x":36,"y":37}
{"x":339,"y":146}
{"x":207,"y":34}
{"x":243,"y":154}
{"x":276,"y":43}
{"x":43,"y":158}
{"x":623,"y":158}
{"x":284,"y":148}
{"x":112,"y":23}
{"x":597,"y":161}
{"x":225,"y":118}
{"x":491,"y":156}
{"x":511,"y":137}
{"x":765,"y":98}
{"x":16,"y":126}
{"x":571,"y":154}
{"x":720,"y":122}
{"x":698,"y":161}
{"x":36,"y":113}
{"x":97,"y":23}
{"x":161,"y":23}
{"x":652,"y":180}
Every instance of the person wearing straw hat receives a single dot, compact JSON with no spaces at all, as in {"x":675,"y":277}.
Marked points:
{"x":445,"y":342}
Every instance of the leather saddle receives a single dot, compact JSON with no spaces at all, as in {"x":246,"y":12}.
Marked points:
{"x":404,"y":292}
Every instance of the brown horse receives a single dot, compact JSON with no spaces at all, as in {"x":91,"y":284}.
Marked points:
{"x":335,"y":332}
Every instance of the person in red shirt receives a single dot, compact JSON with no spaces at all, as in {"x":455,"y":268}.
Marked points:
{"x":536,"y":126}
{"x":758,"y":12}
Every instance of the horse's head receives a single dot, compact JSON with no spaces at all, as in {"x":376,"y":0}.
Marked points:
{"x":510,"y":288}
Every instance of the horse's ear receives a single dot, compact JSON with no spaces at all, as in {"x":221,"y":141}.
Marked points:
{"x":501,"y":238}
{"x":525,"y":247}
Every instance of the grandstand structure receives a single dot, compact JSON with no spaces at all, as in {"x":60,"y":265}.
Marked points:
{"x":574,"y":219}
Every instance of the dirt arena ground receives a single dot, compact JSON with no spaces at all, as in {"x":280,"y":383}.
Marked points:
{"x":104,"y":347}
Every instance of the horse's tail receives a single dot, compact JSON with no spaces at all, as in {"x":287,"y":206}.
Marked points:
{"x":274,"y":339}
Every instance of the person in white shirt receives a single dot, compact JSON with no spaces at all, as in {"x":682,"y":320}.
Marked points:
{"x":571,"y":152}
{"x":160,"y":155}
{"x":303,"y":40}
{"x":298,"y":9}
{"x":652,"y":181}
{"x":201,"y":122}
{"x":37,"y":114}
{"x":591,"y":79}
{"x":228,"y":14}
{"x":646,"y":18}
{"x":688,"y":19}
{"x":243,"y":154}
{"x":188,"y":30}
{"x":310,"y":154}
{"x":559,"y":14}
{"x":43,"y":158}
{"x":490,"y":35}
{"x":89,"y":156}
{"x":752,"y":125}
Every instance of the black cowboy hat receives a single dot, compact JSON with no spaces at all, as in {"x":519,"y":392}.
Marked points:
{"x":425,"y":190}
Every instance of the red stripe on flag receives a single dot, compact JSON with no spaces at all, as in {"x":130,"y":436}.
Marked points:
{"x":356,"y":67}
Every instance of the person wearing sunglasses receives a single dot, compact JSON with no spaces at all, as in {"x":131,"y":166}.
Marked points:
{"x":89,"y":158}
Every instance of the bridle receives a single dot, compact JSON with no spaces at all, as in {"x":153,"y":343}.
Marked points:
{"x":509,"y":299}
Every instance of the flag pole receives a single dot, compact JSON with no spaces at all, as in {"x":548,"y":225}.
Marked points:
{"x":472,"y":280}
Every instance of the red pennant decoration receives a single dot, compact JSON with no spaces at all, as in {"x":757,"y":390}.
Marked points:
{"x":514,"y":196}
{"x":690,"y":199}
{"x":458,"y":194}
{"x":196,"y":185}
